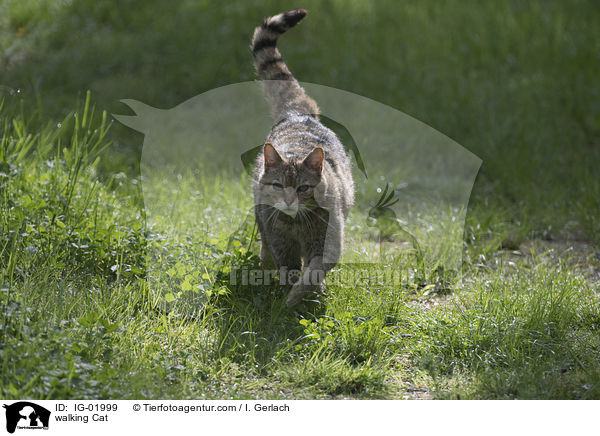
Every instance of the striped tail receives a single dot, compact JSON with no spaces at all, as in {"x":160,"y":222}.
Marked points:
{"x":281,"y":88}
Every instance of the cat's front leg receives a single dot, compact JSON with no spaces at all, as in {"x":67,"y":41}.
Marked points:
{"x":285,"y":253}
{"x":266,"y":258}
{"x":309,"y":283}
{"x":312,"y":276}
{"x":325,"y":254}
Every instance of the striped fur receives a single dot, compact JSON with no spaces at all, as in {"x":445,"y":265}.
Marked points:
{"x":281,"y":88}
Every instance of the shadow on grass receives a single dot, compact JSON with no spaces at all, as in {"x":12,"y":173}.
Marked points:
{"x":254,"y":322}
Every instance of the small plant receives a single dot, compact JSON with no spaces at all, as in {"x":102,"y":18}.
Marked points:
{"x":383,"y":217}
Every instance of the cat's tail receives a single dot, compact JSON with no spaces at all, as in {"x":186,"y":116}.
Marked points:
{"x":281,"y":88}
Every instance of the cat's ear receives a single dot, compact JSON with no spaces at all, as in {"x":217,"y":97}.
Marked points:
{"x":272,"y":158}
{"x":314,"y":160}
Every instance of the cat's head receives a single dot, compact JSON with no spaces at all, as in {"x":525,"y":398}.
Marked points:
{"x":290,"y":185}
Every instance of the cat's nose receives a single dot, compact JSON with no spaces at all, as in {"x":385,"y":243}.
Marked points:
{"x":289,"y":196}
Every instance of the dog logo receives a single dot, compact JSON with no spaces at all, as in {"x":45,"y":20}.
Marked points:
{"x":26,"y":415}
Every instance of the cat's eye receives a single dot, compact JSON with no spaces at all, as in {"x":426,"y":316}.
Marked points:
{"x":302,"y":188}
{"x":277,"y":186}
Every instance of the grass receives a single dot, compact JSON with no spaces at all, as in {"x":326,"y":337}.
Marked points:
{"x":100,"y":299}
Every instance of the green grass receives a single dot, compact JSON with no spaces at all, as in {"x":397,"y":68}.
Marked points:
{"x":514,"y":83}
{"x":98,"y":300}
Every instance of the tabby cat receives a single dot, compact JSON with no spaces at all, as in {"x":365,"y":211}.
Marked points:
{"x":303,"y":187}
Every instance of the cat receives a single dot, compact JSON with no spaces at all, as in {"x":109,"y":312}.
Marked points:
{"x":302,"y":179}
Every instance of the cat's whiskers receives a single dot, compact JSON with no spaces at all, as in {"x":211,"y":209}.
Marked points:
{"x":305,"y":219}
{"x":272,"y":217}
{"x":315,"y":214}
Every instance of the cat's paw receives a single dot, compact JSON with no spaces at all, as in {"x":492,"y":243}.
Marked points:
{"x":296,"y":295}
{"x":301,"y":292}
{"x":293,"y":299}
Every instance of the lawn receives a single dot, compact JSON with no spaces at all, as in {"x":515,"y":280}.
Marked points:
{"x":99,"y":298}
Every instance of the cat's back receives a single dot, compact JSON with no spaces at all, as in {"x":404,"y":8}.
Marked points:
{"x":298,"y":135}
